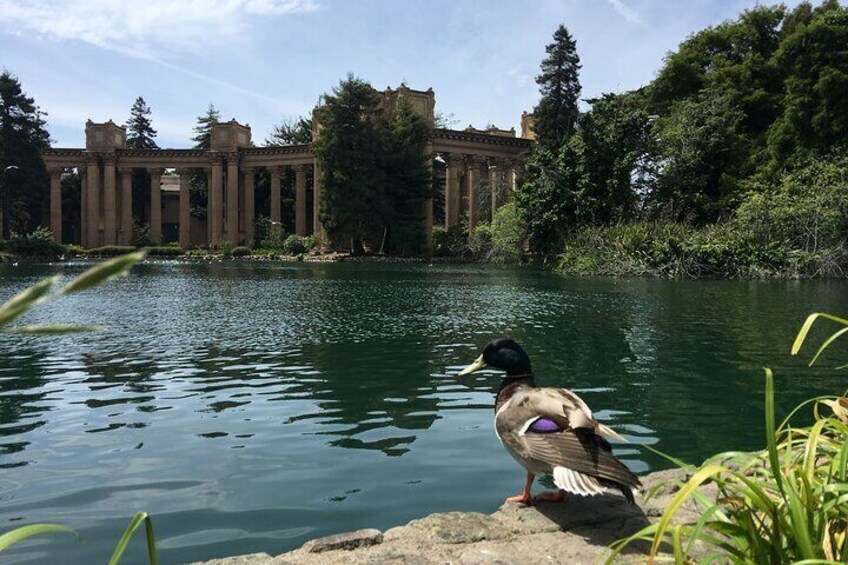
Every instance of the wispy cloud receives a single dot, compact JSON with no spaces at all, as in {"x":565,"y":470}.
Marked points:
{"x":626,"y":12}
{"x":142,"y":28}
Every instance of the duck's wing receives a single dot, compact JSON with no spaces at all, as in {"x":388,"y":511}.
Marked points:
{"x":566,"y":409}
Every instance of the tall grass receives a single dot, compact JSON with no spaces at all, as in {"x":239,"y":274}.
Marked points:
{"x":786,"y":504}
{"x":12,"y":310}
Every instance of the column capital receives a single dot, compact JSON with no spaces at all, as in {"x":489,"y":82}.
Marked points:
{"x":109,"y":159}
{"x":474,"y":160}
{"x":184,"y":171}
{"x":55,"y":171}
{"x":248,"y":170}
{"x":155,"y":171}
{"x":233,"y":158}
{"x":215,"y":158}
{"x":302,"y":168}
{"x":125,"y":170}
{"x":91,"y":159}
{"x":453,"y":159}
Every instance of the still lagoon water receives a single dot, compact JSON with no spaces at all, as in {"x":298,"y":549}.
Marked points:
{"x":252,"y":406}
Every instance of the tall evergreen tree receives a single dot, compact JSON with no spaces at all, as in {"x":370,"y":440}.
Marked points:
{"x":291,"y":131}
{"x":203,"y":130}
{"x":140,"y":132}
{"x":348,"y":150}
{"x":23,"y":178}
{"x":556,"y":115}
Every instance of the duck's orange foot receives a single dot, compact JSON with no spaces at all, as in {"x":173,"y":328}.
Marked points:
{"x":524,"y":498}
{"x":558,"y":496}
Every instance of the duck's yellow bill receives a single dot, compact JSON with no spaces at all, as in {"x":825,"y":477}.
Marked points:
{"x":475,"y":366}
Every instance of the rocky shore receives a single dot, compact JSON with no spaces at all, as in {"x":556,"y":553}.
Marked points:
{"x":578,"y":531}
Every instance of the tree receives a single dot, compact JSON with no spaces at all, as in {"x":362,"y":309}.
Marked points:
{"x":349,"y":152}
{"x":140,"y":132}
{"x":408,"y":180}
{"x":24,"y":190}
{"x":556,"y":114}
{"x":291,"y":131}
{"x":203,"y":130}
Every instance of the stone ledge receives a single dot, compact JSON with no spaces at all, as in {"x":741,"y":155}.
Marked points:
{"x":578,"y":530}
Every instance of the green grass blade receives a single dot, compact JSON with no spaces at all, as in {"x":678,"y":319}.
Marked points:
{"x":105,"y":271}
{"x":20,"y":534}
{"x":679,"y":499}
{"x":679,"y":462}
{"x":138,"y":519}
{"x":774,"y":460}
{"x":808,"y":323}
{"x":827,"y":343}
{"x":14,"y":308}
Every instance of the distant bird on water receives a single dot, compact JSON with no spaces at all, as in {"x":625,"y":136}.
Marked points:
{"x":551,"y":430}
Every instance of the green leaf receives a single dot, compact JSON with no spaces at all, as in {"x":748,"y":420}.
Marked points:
{"x":20,"y":534}
{"x":23,"y":301}
{"x":808,"y":323}
{"x":138,"y":519}
{"x":105,"y":271}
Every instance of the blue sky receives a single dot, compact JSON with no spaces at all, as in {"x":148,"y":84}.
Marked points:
{"x":263,"y":60}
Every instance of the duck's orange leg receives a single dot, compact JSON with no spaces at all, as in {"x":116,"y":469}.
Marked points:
{"x":525,"y":497}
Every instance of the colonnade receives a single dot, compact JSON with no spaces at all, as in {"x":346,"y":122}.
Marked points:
{"x":471,"y":178}
{"x":106,"y":210}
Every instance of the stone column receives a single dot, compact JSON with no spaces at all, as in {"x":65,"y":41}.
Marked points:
{"x":126,"y":206}
{"x":475,"y":174}
{"x":232,"y":199}
{"x":300,"y":200}
{"x":509,"y":181}
{"x":110,"y":207}
{"x":427,"y":205}
{"x":83,"y":225}
{"x":215,"y":212}
{"x":155,"y":205}
{"x":56,"y":203}
{"x":317,"y":227}
{"x":249,"y":208}
{"x":496,"y":184}
{"x":452,"y":190}
{"x":185,"y":207}
{"x":276,"y":172}
{"x":92,"y":227}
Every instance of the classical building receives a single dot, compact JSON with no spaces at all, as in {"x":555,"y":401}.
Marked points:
{"x":477,"y":168}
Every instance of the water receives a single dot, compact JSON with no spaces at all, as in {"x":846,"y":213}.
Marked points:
{"x":249,"y":406}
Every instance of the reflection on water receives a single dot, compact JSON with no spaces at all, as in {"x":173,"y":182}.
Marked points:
{"x":249,"y":407}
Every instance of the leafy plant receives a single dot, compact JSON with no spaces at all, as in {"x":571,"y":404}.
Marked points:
{"x":297,"y":244}
{"x":38,"y":243}
{"x":241,"y":251}
{"x":227,"y":247}
{"x":275,"y":238}
{"x":787,"y":504}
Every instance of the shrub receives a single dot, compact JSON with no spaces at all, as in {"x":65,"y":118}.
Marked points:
{"x":164,"y":251}
{"x":480,"y":241}
{"x":507,"y":234}
{"x":241,"y":251}
{"x":111,"y":250}
{"x":452,"y":242}
{"x":297,"y":244}
{"x":38,"y":243}
{"x":227,"y":247}
{"x":141,"y":235}
{"x":275,"y":239}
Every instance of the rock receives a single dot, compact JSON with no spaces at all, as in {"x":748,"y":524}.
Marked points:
{"x":346,"y":541}
{"x":453,"y":527}
{"x":250,"y":559}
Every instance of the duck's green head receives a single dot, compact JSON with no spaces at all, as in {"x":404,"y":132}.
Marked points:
{"x":502,"y":354}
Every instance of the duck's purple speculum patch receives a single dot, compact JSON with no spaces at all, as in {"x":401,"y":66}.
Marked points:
{"x":544,"y":426}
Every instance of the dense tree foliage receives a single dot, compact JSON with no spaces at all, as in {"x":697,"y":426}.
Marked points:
{"x":203,"y":130}
{"x":199,"y":186}
{"x":374,"y":171}
{"x":736,"y":110}
{"x":23,"y":178}
{"x":559,"y":83}
{"x":291,"y":131}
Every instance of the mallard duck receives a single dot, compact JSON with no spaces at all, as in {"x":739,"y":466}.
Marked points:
{"x":551,"y":430}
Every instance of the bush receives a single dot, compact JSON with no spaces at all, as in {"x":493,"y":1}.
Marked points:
{"x":141,"y":235}
{"x":110,"y":250}
{"x":227,"y":247}
{"x":297,"y":244}
{"x":39,"y":243}
{"x":507,"y":234}
{"x":452,"y":242}
{"x":480,"y":241}
{"x":164,"y":251}
{"x":275,"y":238}
{"x":241,"y":251}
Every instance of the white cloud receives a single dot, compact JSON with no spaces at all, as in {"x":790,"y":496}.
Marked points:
{"x":626,"y":12}
{"x":142,"y":28}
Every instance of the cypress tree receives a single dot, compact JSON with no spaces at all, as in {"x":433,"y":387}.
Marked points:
{"x":559,"y":84}
{"x":140,"y":132}
{"x":203,"y":130}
